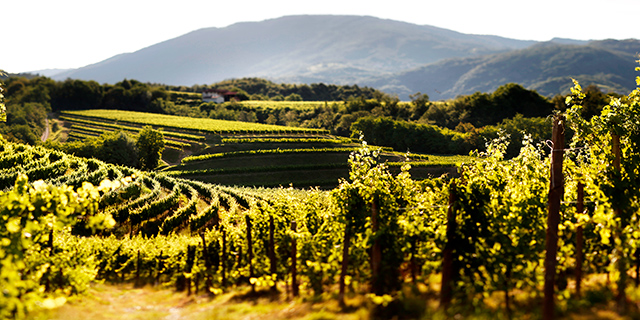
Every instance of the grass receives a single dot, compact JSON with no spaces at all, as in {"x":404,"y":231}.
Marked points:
{"x":124,"y":302}
{"x":184,"y":123}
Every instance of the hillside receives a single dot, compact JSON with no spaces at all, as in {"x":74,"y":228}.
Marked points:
{"x":248,"y":154}
{"x":396,"y":57}
{"x":332,"y":49}
{"x":544,"y":67}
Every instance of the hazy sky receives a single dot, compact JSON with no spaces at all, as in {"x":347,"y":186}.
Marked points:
{"x":43,"y":34}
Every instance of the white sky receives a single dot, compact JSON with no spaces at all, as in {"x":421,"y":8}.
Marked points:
{"x":43,"y":34}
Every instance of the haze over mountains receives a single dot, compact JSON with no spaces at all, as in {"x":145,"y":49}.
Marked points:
{"x":396,"y":57}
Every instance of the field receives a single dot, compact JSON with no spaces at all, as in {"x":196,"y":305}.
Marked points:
{"x":544,"y":234}
{"x":253,"y":155}
{"x":203,"y":125}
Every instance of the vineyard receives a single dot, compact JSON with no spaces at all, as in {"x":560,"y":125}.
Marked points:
{"x":204,"y":125}
{"x":249,"y":157}
{"x":551,"y":232}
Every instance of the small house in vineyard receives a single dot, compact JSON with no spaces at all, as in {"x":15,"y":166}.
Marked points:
{"x":218,"y":95}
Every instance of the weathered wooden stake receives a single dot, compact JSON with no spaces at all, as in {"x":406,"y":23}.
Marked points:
{"x":272,"y":252}
{"x":579,"y":240}
{"x":208,"y":283}
{"x":250,"y":251}
{"x":159,"y":266}
{"x":223,"y":258}
{"x":446,"y":289}
{"x":556,"y":191}
{"x":376,"y":250}
{"x":621,"y":260}
{"x":137,"y":282}
{"x":344,"y":265}
{"x":294,"y":253}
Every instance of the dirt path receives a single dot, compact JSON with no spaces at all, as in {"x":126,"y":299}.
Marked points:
{"x":47,"y":131}
{"x":124,"y":302}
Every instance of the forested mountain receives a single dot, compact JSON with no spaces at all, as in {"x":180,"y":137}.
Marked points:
{"x":330,"y":49}
{"x":396,"y":57}
{"x":545,"y":67}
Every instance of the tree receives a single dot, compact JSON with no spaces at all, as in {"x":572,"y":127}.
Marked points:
{"x":293,"y":97}
{"x":3,"y":109}
{"x":420,"y":103}
{"x":150,"y":146}
{"x":120,"y":149}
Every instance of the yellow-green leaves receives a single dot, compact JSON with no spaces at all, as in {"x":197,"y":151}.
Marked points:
{"x":31,"y":215}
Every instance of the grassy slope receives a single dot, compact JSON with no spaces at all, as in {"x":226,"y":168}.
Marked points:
{"x":185,"y":123}
{"x":321,"y":169}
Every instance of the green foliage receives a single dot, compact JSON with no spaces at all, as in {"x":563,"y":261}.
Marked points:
{"x":420,"y":138}
{"x":3,"y":108}
{"x":372,"y":191}
{"x":35,"y":270}
{"x":313,"y":92}
{"x":113,"y":147}
{"x":519,"y":127}
{"x":481,"y":109}
{"x":265,"y":151}
{"x":150,"y":145}
{"x":610,"y":175}
{"x":25,"y":110}
{"x":184,"y":123}
{"x":499,"y":246}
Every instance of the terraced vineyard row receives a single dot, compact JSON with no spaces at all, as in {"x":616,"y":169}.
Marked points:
{"x":301,"y":158}
{"x":147,"y":203}
{"x":201,"y":125}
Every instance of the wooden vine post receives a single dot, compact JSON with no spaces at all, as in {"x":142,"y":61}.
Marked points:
{"x":250,"y":251}
{"x":207,"y":264}
{"x":294,"y":253}
{"x":376,"y":250}
{"x":346,"y":242}
{"x":272,"y":253}
{"x":579,"y":239}
{"x":446,"y":289}
{"x":223,"y":258}
{"x":556,"y":191}
{"x":159,"y":267}
{"x":137,"y":282}
{"x":621,"y":262}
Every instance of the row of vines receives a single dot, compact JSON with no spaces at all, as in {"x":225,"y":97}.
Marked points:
{"x":467,"y":239}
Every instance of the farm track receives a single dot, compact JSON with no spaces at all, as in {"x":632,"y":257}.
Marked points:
{"x":47,"y":131}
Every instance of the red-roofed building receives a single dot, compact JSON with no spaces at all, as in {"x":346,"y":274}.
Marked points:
{"x":218,"y":95}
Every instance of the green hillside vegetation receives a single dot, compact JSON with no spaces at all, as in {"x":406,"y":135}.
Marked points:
{"x":386,"y":245}
{"x":202,"y":125}
{"x":545,"y":67}
{"x":478,"y":110}
{"x":252,"y":156}
{"x":193,"y":128}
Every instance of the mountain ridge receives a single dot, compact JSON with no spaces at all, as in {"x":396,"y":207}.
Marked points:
{"x":290,"y":46}
{"x":545,"y":67}
{"x":397,"y":57}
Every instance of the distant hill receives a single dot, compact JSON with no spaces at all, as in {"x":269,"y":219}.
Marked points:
{"x":396,"y":57}
{"x":49,"y":72}
{"x":324,"y":48}
{"x":545,"y":67}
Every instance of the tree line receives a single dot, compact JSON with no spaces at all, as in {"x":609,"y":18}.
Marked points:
{"x":262,"y":89}
{"x":469,"y":119}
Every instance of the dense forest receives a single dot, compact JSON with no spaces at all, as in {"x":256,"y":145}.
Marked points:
{"x":455,"y":126}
